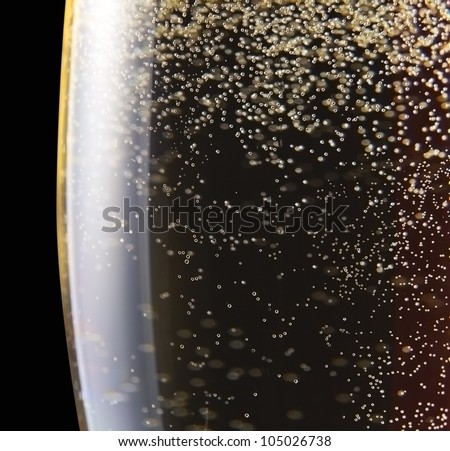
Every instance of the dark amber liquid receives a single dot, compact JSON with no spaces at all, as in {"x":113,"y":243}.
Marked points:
{"x":233,"y":104}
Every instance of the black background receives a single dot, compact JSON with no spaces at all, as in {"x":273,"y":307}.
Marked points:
{"x":35,"y":378}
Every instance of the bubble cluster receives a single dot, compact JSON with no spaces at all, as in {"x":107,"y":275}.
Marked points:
{"x":246,"y":101}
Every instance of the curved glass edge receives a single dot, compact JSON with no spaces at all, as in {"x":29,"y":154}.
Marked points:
{"x":61,"y":210}
{"x":96,"y":90}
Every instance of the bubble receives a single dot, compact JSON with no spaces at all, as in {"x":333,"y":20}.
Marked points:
{"x":151,"y":423}
{"x":208,"y":323}
{"x":340,"y":362}
{"x":114,"y":397}
{"x":343,"y":398}
{"x":215,"y":363}
{"x":235,"y":424}
{"x":255,"y":372}
{"x":207,"y":413}
{"x":290,"y":377}
{"x":164,"y":377}
{"x":203,"y":351}
{"x":147,"y":348}
{"x":235,"y":332}
{"x":184,"y":333}
{"x":235,"y":373}
{"x":128,"y":387}
{"x":294,"y":415}
{"x":237,"y":344}
{"x":197,"y":382}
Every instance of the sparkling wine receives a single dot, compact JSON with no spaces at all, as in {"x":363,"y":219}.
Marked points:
{"x":254,"y":213}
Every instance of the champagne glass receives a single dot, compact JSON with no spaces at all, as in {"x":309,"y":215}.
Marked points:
{"x":253,"y":213}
